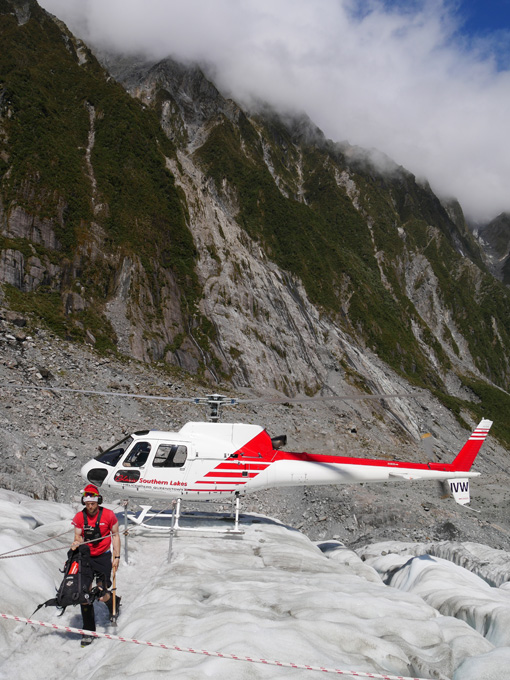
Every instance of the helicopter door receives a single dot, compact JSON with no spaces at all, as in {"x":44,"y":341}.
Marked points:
{"x":133,"y":464}
{"x":169,"y":463}
{"x":138,"y":455}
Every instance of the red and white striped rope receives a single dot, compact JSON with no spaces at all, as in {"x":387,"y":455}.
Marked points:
{"x":221,"y":655}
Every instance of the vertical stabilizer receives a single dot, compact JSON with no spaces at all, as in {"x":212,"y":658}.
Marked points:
{"x":469,"y":451}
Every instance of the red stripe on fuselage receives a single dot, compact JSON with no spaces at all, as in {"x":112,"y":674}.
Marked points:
{"x":235,"y":475}
{"x":344,"y":460}
{"x":242,"y":464}
{"x":239,"y":481}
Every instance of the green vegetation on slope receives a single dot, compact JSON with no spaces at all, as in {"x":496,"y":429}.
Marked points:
{"x":408,"y":222}
{"x":46,"y":124}
{"x":45,"y":306}
{"x":52,"y":109}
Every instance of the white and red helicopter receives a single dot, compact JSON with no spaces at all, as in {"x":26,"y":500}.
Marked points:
{"x":215,"y":460}
{"x":221,"y":461}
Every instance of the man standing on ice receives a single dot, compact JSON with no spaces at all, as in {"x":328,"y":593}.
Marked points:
{"x":92,"y":523}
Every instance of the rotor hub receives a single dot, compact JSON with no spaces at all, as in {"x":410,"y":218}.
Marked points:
{"x":214,"y":404}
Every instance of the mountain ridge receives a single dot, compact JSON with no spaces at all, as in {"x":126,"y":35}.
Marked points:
{"x":171,"y":225}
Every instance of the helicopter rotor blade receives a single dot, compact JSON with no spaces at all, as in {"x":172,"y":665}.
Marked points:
{"x":50,"y":388}
{"x":214,"y":397}
{"x":214,"y":402}
{"x":333,"y":397}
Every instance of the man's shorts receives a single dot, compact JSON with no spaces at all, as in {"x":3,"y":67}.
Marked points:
{"x":102,"y":565}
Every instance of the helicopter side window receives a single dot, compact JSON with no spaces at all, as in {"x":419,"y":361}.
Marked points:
{"x":180,"y":456}
{"x":112,"y":455}
{"x":163,"y":454}
{"x":170,"y":455}
{"x":138,"y":456}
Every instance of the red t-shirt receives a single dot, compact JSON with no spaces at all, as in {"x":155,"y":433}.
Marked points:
{"x":108,"y":520}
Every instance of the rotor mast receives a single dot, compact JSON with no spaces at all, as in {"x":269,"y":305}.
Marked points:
{"x":214,"y":404}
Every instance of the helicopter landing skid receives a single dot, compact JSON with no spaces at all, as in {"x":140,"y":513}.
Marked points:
{"x":147,"y":516}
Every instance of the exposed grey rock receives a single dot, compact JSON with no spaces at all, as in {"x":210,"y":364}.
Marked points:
{"x":15,"y":318}
{"x":494,"y":238}
{"x":12,"y":265}
{"x":46,"y":436}
{"x":21,"y":224}
{"x":22,"y":11}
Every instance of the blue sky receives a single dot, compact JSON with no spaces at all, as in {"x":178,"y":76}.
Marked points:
{"x":482,"y":17}
{"x":478,"y":17}
{"x":480,"y":25}
{"x":488,"y":21}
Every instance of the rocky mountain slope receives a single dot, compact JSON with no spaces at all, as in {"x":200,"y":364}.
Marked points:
{"x":46,"y":436}
{"x":177,"y":226}
{"x":145,"y":217}
{"x":378,"y":257}
{"x":494,"y":238}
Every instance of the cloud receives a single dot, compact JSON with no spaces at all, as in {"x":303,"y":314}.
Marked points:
{"x":401,"y":78}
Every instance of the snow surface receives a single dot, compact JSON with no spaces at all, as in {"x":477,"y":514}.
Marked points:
{"x":271,"y":593}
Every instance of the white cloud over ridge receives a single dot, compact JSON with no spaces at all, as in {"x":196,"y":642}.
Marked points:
{"x":401,"y":79}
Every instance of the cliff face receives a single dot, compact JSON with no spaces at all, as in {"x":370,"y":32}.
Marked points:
{"x":147,"y":214}
{"x":372,"y":255}
{"x":90,"y":218}
{"x":494,"y":238}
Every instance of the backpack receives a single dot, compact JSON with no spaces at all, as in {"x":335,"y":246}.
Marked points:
{"x":76,"y":586}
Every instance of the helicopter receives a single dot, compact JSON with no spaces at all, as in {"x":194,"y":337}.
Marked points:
{"x":216,"y":460}
{"x":219,"y":461}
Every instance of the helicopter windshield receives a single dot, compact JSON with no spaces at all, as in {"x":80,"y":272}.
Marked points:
{"x":112,"y":455}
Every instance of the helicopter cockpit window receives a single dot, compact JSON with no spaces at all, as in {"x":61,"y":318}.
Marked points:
{"x":112,"y":455}
{"x":170,"y":455}
{"x":138,"y":456}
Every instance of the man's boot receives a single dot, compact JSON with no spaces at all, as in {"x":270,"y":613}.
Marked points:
{"x":89,"y":623}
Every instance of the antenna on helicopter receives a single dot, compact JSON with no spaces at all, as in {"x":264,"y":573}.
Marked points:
{"x":214,"y":404}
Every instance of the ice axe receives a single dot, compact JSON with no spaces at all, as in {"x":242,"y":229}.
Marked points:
{"x":114,"y":596}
